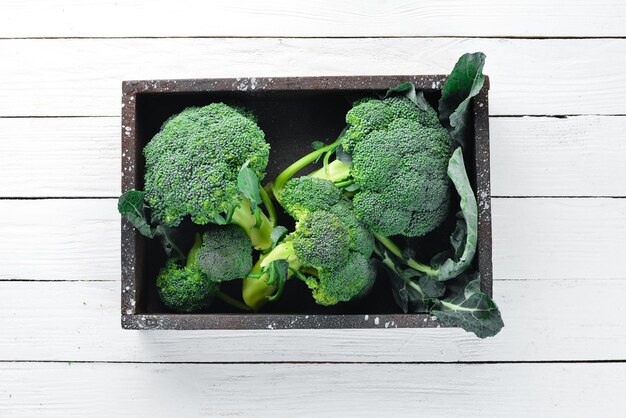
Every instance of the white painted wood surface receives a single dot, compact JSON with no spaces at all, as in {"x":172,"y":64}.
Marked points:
{"x":559,"y":224}
{"x":82,"y":77}
{"x":304,"y":390}
{"x":348,"y":18}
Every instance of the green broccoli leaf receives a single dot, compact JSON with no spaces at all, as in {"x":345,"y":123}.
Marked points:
{"x":175,"y":241}
{"x":467,"y":307}
{"x":248,"y":184}
{"x":408,"y":89}
{"x":452,"y":267}
{"x":464,"y":82}
{"x":343,"y":156}
{"x":410,"y":292}
{"x":132,"y":207}
{"x":278,"y":233}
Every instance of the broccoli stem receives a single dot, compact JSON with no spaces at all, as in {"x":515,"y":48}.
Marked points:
{"x":256,"y":291}
{"x":290,"y":171}
{"x":269,"y":205}
{"x":231,"y":301}
{"x":338,"y":172}
{"x":259,"y":232}
{"x":395,"y":250}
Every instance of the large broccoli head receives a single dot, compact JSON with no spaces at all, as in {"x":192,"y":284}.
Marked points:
{"x":193,"y":162}
{"x":400,"y":157}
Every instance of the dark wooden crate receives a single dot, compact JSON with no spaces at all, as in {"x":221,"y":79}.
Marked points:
{"x":293,"y":112}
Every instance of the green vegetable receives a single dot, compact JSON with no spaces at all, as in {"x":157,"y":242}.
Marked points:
{"x":464,"y":82}
{"x":329,"y":250}
{"x":398,"y":154}
{"x":206,"y":162}
{"x":225,"y":254}
{"x":133,"y":207}
{"x":467,"y":307}
{"x":193,"y":286}
{"x":466,"y":231}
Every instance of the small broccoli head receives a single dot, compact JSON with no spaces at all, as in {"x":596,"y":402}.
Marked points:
{"x":225,"y":254}
{"x":185,"y":288}
{"x":350,"y":281}
{"x":400,"y":166}
{"x":321,"y":240}
{"x":193,"y":162}
{"x":309,"y":194}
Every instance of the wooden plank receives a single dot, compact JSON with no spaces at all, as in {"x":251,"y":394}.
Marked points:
{"x":329,"y":390}
{"x":59,"y":240}
{"x":66,"y":157}
{"x":544,"y":321}
{"x":82,"y":77}
{"x":576,"y":156}
{"x":559,"y":238}
{"x":78,"y":157}
{"x":38,"y":18}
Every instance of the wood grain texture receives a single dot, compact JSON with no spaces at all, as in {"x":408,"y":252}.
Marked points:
{"x":544,"y":321}
{"x":38,"y":18}
{"x":60,"y":157}
{"x":575,"y":156}
{"x":532,"y":239}
{"x":80,"y":157}
{"x":60,"y":240}
{"x":529,"y":77}
{"x":305,"y":390}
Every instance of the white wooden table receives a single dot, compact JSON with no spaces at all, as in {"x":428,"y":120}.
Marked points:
{"x":558,"y":131}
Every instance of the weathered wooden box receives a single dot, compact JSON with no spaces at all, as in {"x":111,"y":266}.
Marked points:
{"x":293,"y":112}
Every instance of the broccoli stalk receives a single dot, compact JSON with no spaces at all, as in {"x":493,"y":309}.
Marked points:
{"x":279,"y":184}
{"x":258,"y":286}
{"x":255,"y":223}
{"x":395,"y":250}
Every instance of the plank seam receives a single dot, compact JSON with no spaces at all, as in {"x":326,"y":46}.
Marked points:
{"x":540,"y":38}
{"x":487,"y":362}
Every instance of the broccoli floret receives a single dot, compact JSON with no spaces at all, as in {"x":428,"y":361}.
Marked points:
{"x":329,"y":249}
{"x":321,"y":240}
{"x":306,"y":194}
{"x":192,"y":167}
{"x":226,"y":253}
{"x":192,"y":287}
{"x":185,"y":289}
{"x":402,"y":175}
{"x":352,"y":280}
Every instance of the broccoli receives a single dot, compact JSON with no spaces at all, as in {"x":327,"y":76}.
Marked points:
{"x":329,"y":250}
{"x":194,"y":286}
{"x":398,"y":168}
{"x":192,"y":169}
{"x":225,"y":254}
